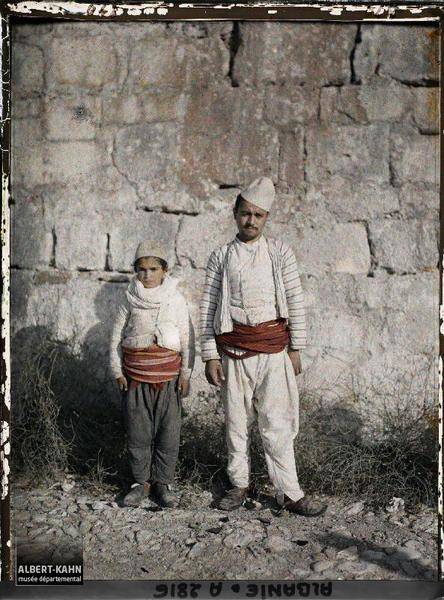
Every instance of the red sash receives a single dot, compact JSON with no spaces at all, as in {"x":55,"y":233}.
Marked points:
{"x":153,"y":365}
{"x":269,"y":337}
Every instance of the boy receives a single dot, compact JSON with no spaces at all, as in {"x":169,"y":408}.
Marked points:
{"x":152,"y":357}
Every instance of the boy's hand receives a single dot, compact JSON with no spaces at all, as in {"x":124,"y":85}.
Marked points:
{"x":122,"y":383}
{"x":184,"y":386}
{"x":214,"y":372}
{"x":295,"y":358}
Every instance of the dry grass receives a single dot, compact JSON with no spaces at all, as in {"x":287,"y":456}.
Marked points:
{"x":63,"y":420}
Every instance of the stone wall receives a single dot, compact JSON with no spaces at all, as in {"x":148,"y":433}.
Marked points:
{"x":123,"y":132}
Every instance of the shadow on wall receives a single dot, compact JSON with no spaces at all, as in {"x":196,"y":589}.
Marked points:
{"x":65,"y":406}
{"x":65,"y":418}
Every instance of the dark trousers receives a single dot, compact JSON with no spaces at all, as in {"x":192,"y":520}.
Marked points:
{"x":152,"y":422}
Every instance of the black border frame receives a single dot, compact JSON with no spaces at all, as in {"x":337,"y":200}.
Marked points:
{"x":432,"y":14}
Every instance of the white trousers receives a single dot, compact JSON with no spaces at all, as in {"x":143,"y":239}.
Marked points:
{"x":262,"y":386}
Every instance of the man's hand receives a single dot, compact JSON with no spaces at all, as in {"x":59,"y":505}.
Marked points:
{"x":122,"y":383}
{"x":295,"y":358}
{"x":184,"y":386}
{"x":214,"y":372}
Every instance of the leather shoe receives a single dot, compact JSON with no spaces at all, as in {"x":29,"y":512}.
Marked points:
{"x":306,"y":506}
{"x":233,"y":499}
{"x":137,"y":493}
{"x":162,"y":495}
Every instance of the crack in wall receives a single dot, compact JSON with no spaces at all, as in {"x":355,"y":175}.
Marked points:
{"x":132,"y":184}
{"x":305,"y":160}
{"x":373,"y":261}
{"x":234,"y":44}
{"x":176,"y":240}
{"x":354,"y":80}
{"x":416,"y":83}
{"x":53,"y":262}
{"x":108,"y":257}
{"x":169,"y":211}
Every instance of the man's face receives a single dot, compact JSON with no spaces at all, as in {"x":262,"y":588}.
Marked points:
{"x":250,"y":220}
{"x":149,"y":272}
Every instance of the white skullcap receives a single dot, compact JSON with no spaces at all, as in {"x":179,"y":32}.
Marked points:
{"x":150,"y":248}
{"x":260,"y":192}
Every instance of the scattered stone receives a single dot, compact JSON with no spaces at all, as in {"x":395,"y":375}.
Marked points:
{"x":98,"y":505}
{"x":372,"y":555}
{"x":214,"y":529}
{"x":350,"y":553}
{"x":330,"y":552}
{"x":354,"y":567}
{"x":84,"y":527}
{"x":238,"y":539}
{"x":143,"y":536}
{"x":190,"y":541}
{"x":321,"y":565}
{"x":196,"y":550}
{"x":354,"y":509}
{"x":68,"y":486}
{"x":395,"y":505}
{"x":275,"y":543}
{"x":72,"y":531}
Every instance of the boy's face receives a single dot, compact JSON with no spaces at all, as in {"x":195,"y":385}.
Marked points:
{"x":150,"y":272}
{"x":250,"y":220}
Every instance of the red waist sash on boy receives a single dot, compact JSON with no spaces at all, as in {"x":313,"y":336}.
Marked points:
{"x":269,"y":337}
{"x":154,"y":365}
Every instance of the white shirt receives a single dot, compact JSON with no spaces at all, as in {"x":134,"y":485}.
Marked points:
{"x":252,"y":291}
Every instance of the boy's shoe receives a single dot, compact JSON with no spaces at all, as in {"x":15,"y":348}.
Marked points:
{"x":137,"y":493}
{"x":162,"y":495}
{"x":233,"y":499}
{"x":306,"y":506}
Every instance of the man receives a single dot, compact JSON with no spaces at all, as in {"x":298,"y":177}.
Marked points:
{"x":252,"y":322}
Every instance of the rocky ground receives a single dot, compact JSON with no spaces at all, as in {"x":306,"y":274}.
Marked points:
{"x":196,"y":541}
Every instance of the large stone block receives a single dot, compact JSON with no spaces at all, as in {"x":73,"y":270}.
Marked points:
{"x":227,"y":144}
{"x":68,"y":162}
{"x":290,"y":105}
{"x":381,"y":101}
{"x":292,"y":160}
{"x":31,"y":233}
{"x":419,"y":202}
{"x":360,"y":153}
{"x":404,"y":246}
{"x":348,"y":201}
{"x":402,"y":52}
{"x":147,"y":155}
{"x":294,"y":53}
{"x":27,"y":70}
{"x":199,"y":236}
{"x":168,"y":105}
{"x":72,"y":118}
{"x":26,"y":107}
{"x":81,"y":239}
{"x":28,"y":153}
{"x":425,"y":109}
{"x":415,"y":158}
{"x":397,"y":315}
{"x":403,"y":309}
{"x":87,"y":63}
{"x":176,"y":63}
{"x":340,"y":248}
{"x":288,"y":208}
{"x":127,"y":230}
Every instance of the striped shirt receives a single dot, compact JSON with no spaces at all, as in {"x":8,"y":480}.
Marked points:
{"x":214,"y":308}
